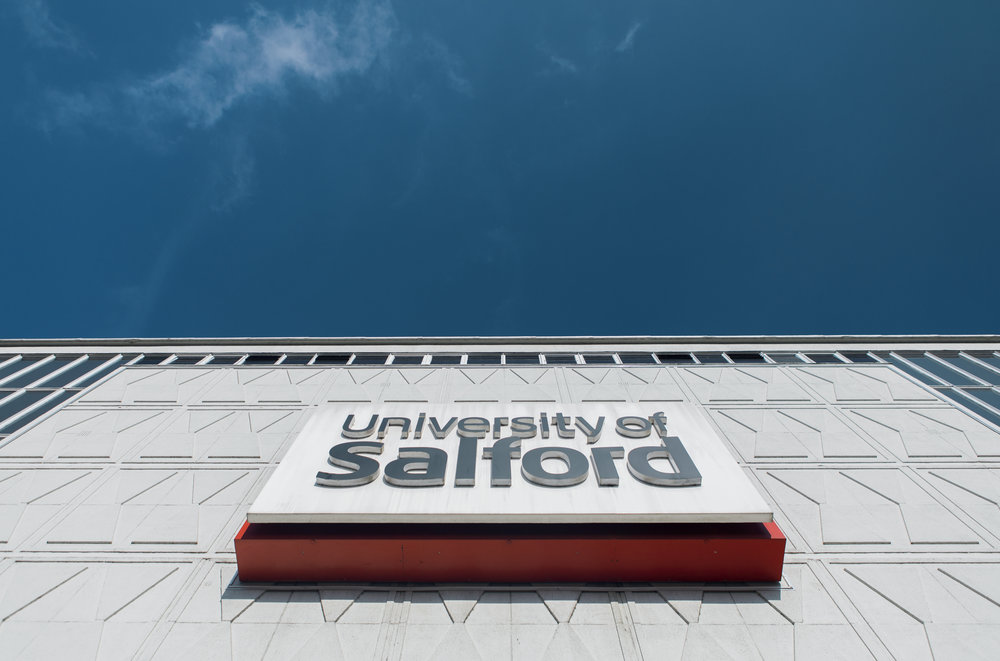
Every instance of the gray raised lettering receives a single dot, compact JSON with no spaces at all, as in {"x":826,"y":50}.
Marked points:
{"x":346,"y":455}
{"x":500,"y":456}
{"x":685,"y":473}
{"x":523,"y":427}
{"x":633,"y":427}
{"x":438,"y":431}
{"x":604,"y":464}
{"x":358,"y":433}
{"x":498,"y":425}
{"x":402,"y":423}
{"x":417,"y":467}
{"x":563,"y":426}
{"x":473,"y":427}
{"x":593,"y":433}
{"x":659,"y":421}
{"x":576,"y":463}
{"x":465,"y":467}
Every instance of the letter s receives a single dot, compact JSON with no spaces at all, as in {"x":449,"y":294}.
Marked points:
{"x":347,"y":455}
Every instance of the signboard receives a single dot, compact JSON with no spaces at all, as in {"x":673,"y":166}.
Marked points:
{"x":517,"y":463}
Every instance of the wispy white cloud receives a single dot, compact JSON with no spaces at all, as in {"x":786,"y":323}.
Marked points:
{"x":450,"y":64}
{"x":234,"y":61}
{"x":44,"y":31}
{"x":626,"y":43}
{"x":561,"y":65}
{"x":555,"y":64}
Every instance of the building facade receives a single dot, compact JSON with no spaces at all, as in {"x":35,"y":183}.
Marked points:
{"x":128,"y":466}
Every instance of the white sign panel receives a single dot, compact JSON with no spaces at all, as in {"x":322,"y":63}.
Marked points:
{"x":492,"y":463}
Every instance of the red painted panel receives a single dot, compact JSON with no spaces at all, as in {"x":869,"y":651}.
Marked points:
{"x":510,"y":553}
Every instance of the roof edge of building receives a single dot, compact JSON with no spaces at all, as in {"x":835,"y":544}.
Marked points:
{"x":474,"y":340}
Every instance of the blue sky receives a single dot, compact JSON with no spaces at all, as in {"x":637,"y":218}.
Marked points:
{"x":218,"y":168}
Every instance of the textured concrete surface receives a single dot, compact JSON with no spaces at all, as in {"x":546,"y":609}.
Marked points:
{"x":117,"y":514}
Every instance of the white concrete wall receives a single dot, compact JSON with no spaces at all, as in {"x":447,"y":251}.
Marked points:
{"x":117,"y":514}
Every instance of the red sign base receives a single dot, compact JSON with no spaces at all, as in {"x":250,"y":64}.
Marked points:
{"x":511,"y":553}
